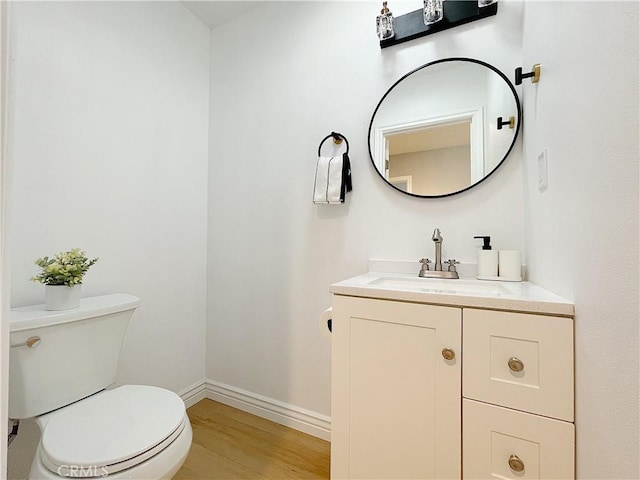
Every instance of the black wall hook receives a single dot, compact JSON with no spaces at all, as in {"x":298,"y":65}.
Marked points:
{"x":337,"y":139}
{"x":534,"y":74}
{"x":511,"y":122}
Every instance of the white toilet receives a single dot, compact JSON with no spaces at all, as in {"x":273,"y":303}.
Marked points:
{"x":60,"y":366}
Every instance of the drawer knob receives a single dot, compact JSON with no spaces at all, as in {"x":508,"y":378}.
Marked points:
{"x":515,"y":364}
{"x":515,"y":463}
{"x":448,"y":353}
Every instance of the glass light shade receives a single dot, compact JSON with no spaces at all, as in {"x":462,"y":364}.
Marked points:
{"x":384,"y":26}
{"x":433,"y":11}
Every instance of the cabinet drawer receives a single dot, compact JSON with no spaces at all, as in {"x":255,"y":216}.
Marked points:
{"x":519,"y":360}
{"x":501,"y":443}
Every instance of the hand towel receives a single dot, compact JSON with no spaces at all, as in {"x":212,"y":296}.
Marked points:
{"x":333,"y":180}
{"x":328,"y":180}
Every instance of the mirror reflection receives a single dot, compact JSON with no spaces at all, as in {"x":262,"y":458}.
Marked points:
{"x":435,"y":132}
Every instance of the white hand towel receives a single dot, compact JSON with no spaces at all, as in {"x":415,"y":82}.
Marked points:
{"x":328,"y":183}
{"x":322,"y":180}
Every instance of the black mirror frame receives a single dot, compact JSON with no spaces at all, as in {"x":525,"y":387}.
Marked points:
{"x":450,"y":59}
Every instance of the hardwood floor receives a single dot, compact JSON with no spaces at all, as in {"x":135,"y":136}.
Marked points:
{"x":232,"y":444}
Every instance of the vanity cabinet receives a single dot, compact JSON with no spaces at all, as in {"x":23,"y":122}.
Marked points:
{"x":450,"y":390}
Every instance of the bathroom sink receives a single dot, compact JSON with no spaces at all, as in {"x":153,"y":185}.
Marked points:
{"x":434,"y":285}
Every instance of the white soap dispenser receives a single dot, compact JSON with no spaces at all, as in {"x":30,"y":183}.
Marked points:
{"x":487,"y":260}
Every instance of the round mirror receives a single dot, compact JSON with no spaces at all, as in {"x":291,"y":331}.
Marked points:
{"x":444,"y":127}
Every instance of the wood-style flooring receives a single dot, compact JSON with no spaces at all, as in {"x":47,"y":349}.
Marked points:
{"x":232,"y":444}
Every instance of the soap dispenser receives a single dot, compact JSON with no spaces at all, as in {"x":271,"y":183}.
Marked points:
{"x":487,"y":260}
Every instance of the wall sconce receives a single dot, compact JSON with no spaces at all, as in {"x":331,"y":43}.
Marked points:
{"x":451,"y":13}
{"x":433,"y":11}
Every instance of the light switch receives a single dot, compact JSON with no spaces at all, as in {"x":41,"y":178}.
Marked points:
{"x":543,"y":171}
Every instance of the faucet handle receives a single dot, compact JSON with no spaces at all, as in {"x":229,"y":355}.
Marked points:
{"x":424,"y":268}
{"x":452,"y":262}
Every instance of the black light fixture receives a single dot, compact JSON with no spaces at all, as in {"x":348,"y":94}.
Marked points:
{"x":453,"y":13}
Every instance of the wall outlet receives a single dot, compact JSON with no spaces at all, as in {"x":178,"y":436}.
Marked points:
{"x":543,"y":171}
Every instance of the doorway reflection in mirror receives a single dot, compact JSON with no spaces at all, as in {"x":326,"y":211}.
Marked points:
{"x":433,"y":160}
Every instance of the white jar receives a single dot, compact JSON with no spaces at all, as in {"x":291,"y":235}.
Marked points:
{"x":510,"y":265}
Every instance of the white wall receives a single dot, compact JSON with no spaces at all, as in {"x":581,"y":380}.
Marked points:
{"x":108,"y":147}
{"x":283,"y":77}
{"x":582,"y":233}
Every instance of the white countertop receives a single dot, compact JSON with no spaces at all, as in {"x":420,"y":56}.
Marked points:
{"x":464,"y":292}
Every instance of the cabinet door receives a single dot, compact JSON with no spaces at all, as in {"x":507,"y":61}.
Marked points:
{"x":503,"y":443}
{"x":541,"y":380}
{"x":395,"y":399}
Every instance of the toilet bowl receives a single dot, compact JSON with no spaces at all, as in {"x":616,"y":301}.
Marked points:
{"x":61,"y":366}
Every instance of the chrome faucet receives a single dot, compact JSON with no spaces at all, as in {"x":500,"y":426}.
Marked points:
{"x":437,"y":237}
{"x":437,"y":271}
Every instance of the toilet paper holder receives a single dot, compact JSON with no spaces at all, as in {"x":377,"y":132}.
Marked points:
{"x":325,"y":322}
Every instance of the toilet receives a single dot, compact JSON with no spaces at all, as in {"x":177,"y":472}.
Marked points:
{"x":61,"y":365}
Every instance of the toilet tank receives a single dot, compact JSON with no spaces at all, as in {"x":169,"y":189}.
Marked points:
{"x":77,"y":355}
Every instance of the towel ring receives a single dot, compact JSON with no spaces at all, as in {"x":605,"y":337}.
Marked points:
{"x":337,"y":139}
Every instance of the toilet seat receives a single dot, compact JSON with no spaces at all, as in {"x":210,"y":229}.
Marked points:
{"x":111,"y":431}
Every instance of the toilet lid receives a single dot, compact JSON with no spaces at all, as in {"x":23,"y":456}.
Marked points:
{"x":111,"y":431}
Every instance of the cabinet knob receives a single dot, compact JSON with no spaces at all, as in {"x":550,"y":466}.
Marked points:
{"x":515,"y":463}
{"x":515,"y":364}
{"x":448,"y":353}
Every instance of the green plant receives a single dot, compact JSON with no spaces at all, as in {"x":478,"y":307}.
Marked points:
{"x":66,"y":268}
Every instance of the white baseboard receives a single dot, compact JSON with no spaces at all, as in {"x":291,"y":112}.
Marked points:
{"x":193,"y":394}
{"x":289,"y":415}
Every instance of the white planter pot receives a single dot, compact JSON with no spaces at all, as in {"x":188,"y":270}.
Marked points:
{"x":62,"y":297}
